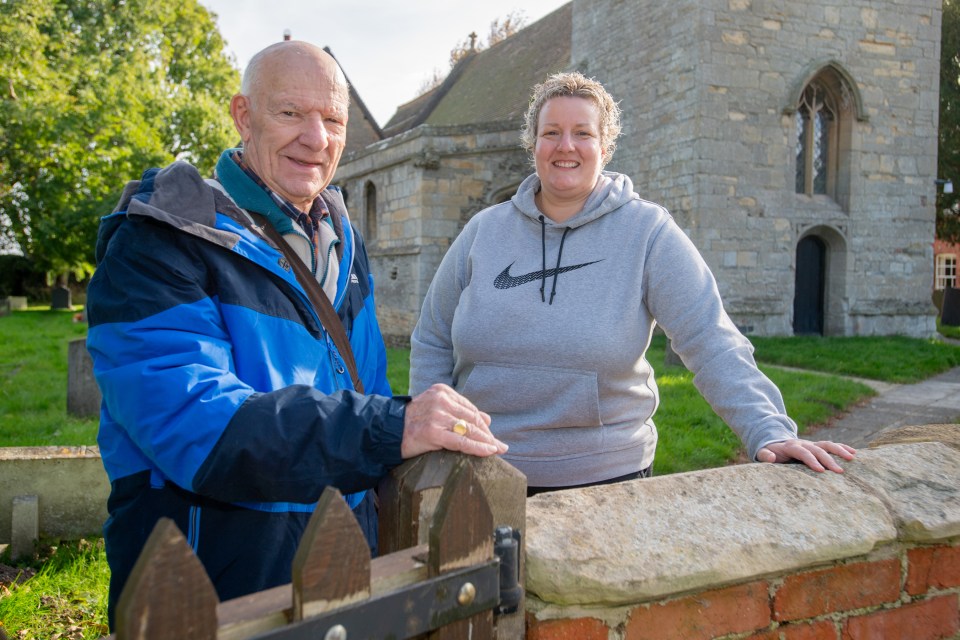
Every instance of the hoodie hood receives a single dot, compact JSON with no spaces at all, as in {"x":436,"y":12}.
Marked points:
{"x":613,"y":190}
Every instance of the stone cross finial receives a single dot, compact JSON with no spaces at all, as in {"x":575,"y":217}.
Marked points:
{"x":473,"y":41}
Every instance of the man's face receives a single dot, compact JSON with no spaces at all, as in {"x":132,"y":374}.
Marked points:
{"x":294,"y":125}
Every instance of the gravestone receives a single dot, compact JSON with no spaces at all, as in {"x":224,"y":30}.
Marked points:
{"x":18,"y":303}
{"x":4,"y":307}
{"x":83,"y":394}
{"x":60,"y":298}
{"x":25,"y":526}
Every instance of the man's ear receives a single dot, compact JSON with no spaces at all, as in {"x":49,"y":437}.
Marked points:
{"x":240,"y":111}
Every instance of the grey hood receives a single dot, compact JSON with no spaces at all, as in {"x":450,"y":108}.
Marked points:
{"x":612,"y":191}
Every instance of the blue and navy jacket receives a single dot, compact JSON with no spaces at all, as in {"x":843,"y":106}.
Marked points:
{"x":226,"y":405}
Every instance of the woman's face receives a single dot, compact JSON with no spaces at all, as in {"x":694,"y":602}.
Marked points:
{"x":567,"y":153}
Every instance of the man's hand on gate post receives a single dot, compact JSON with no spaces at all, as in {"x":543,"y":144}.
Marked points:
{"x":441,"y":418}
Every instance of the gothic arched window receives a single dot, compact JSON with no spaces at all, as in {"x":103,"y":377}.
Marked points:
{"x":825,"y":106}
{"x":817,"y":123}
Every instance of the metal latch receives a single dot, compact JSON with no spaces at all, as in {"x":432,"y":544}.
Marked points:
{"x":506,"y":546}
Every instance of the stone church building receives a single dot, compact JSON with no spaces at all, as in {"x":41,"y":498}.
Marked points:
{"x":794,"y":141}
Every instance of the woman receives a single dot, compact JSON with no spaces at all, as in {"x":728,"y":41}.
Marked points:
{"x":562,"y":370}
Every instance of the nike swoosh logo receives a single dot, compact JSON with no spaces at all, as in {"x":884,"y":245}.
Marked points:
{"x":507,"y":281}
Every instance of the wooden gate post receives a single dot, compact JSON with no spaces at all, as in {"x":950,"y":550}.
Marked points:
{"x":461,"y":536}
{"x":449,"y":505}
{"x":331,"y":568}
{"x":168,"y":594}
{"x":409,"y":497}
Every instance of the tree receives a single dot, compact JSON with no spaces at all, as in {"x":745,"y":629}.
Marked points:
{"x":948,"y":160}
{"x":500,"y":29}
{"x":93,"y":92}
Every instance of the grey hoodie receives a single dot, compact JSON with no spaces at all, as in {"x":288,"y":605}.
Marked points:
{"x":545,"y":326}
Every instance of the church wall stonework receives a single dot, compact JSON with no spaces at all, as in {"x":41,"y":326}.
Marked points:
{"x":706,"y":88}
{"x":709,"y":91}
{"x":429,"y":182}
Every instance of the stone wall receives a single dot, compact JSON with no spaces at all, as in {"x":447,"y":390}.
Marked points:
{"x":68,"y":488}
{"x":427,"y":183}
{"x":765,"y":552}
{"x":709,"y":89}
{"x":757,"y":551}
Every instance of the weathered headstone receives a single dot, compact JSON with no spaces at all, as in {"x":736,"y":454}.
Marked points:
{"x":4,"y":307}
{"x":25,"y":526}
{"x":83,"y":394}
{"x":60,"y":298}
{"x":18,"y":303}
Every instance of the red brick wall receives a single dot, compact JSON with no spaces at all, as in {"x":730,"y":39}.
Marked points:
{"x":912,"y":595}
{"x":939,"y":246}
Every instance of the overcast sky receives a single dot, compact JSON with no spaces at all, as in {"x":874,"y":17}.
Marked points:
{"x":386,"y":48}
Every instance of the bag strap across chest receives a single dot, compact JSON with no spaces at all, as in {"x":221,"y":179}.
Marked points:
{"x":321,"y":303}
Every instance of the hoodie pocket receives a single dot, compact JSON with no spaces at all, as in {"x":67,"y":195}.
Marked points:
{"x":539,"y":411}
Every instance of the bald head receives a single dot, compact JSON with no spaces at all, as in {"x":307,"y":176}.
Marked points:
{"x":282,"y":57}
{"x":292,"y":116}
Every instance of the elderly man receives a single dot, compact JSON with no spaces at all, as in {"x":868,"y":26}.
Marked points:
{"x":228,"y":405}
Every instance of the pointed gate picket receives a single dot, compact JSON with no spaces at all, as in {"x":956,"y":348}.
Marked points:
{"x":441,"y":581}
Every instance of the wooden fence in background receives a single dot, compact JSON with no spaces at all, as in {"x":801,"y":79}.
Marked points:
{"x":438,"y":578}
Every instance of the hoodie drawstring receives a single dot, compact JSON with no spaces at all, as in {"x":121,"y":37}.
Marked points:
{"x":556,"y":271}
{"x":543,"y":260}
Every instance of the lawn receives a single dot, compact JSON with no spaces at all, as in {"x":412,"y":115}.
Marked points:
{"x":33,"y":380}
{"x":67,"y":595}
{"x":891,"y":359}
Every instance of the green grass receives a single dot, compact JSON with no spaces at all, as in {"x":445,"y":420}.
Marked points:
{"x":398,"y":370}
{"x":948,"y":331}
{"x":33,"y":380}
{"x":891,"y":359}
{"x":65,"y":599}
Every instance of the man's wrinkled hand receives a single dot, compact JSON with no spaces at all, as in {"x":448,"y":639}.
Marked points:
{"x":441,"y":418}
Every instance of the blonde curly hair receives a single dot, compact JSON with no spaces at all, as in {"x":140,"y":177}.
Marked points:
{"x":573,"y":84}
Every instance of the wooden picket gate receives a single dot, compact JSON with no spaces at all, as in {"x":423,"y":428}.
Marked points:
{"x":438,"y":577}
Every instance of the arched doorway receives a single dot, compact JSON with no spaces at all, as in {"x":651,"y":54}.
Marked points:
{"x":808,"y":292}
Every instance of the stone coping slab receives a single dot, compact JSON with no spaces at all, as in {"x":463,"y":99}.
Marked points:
{"x":620,"y":544}
{"x":948,"y":434}
{"x":48,"y":453}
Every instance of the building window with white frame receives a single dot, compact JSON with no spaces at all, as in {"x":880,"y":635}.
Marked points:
{"x":946,"y":271}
